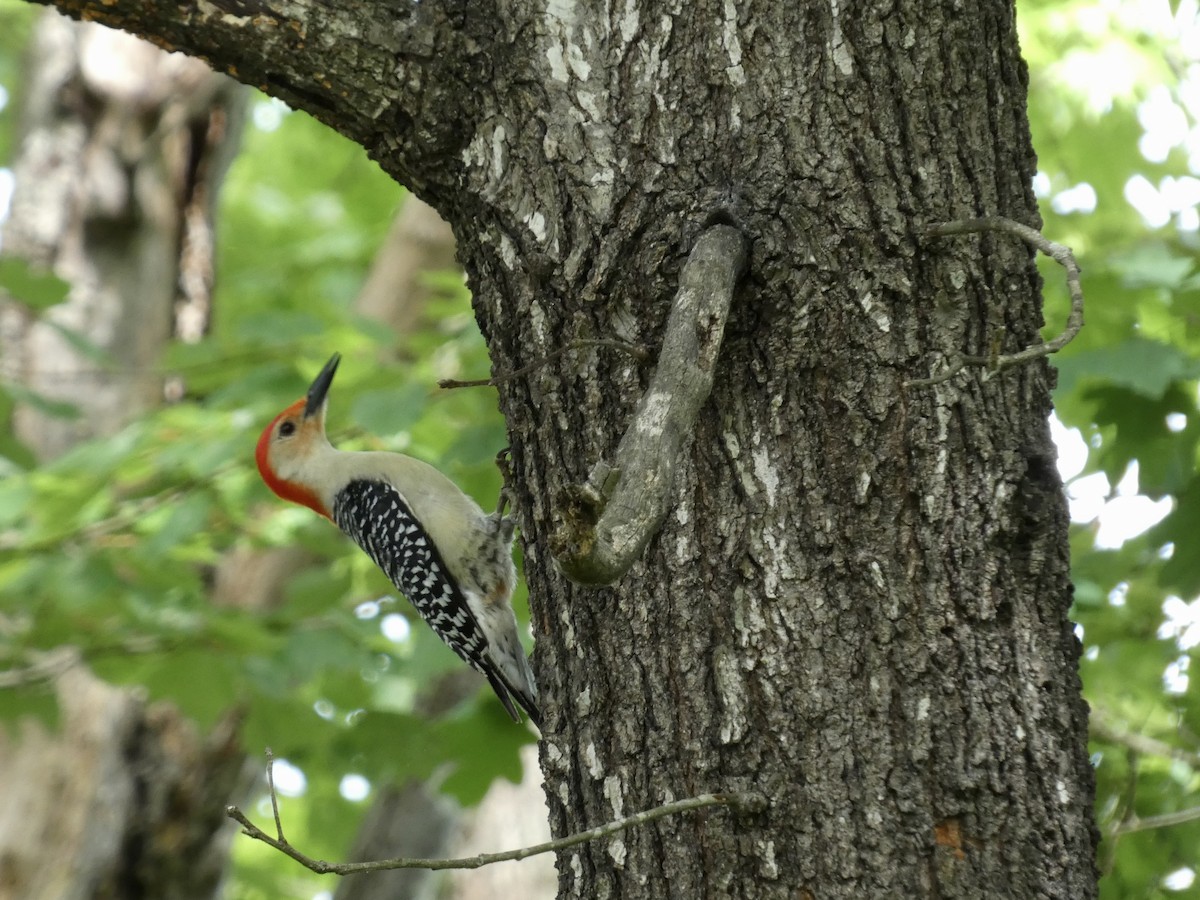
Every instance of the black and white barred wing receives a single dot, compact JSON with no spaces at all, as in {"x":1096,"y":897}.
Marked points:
{"x":375,"y":516}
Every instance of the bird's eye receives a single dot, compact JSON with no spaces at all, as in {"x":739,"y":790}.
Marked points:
{"x":287,"y":429}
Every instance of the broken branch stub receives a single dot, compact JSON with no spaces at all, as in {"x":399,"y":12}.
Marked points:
{"x":608,"y":521}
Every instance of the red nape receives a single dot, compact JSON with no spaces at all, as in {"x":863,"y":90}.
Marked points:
{"x":288,"y":490}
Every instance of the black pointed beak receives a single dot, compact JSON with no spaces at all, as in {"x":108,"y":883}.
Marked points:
{"x":315,"y":398}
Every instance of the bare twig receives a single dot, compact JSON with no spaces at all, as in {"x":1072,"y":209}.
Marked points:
{"x":743,"y":802}
{"x":608,"y":521}
{"x":43,"y":667}
{"x":635,"y":350}
{"x":1102,"y":727}
{"x":274,"y":796}
{"x":1057,"y":252}
{"x":1166,"y":820}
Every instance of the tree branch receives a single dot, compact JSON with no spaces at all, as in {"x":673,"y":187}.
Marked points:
{"x":742,"y":802}
{"x":1103,"y":728}
{"x":314,"y":54}
{"x":46,"y":666}
{"x":608,"y":521}
{"x":1034,"y":238}
{"x":1165,"y":820}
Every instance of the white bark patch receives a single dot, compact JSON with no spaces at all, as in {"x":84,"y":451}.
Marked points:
{"x":474,"y":154}
{"x":768,"y":868}
{"x":877,"y":313}
{"x":733,"y":46}
{"x":592,"y":761}
{"x":508,"y":252}
{"x":562,"y":10}
{"x":537,"y":319}
{"x":558,"y":65}
{"x":656,"y":405}
{"x":943,"y":431}
{"x":923,"y":709}
{"x":732,"y":445}
{"x":732,"y":692}
{"x":838,"y":46}
{"x":616,"y":850}
{"x":1064,"y":796}
{"x":877,"y":577}
{"x":776,"y":567}
{"x":628,"y":23}
{"x":587,"y":102}
{"x":583,"y":703}
{"x":765,"y":472}
{"x":499,"y":153}
{"x":683,"y":548}
{"x":568,"y":629}
{"x":612,"y":791}
{"x":860,"y":490}
{"x":580,"y":67}
{"x":577,"y":871}
{"x":536,"y":223}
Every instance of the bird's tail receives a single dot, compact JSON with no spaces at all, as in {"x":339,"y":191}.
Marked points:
{"x":507,"y":692}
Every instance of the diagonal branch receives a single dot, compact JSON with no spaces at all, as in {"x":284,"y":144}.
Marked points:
{"x":609,"y":521}
{"x":1034,"y":238}
{"x":742,"y":802}
{"x":376,"y":71}
{"x":1164,"y":820}
{"x":1105,"y":729}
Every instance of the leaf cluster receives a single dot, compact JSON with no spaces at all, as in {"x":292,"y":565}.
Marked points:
{"x":1101,"y":80}
{"x":120,"y":548}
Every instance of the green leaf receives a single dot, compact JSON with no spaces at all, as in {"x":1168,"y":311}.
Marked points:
{"x":84,"y":346}
{"x":29,"y":286}
{"x":58,"y":409}
{"x":1144,"y":367}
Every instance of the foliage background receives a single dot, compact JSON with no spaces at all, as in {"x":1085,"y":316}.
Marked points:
{"x":112,"y":547}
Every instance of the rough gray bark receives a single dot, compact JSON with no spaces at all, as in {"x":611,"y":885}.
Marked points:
{"x":859,"y":602}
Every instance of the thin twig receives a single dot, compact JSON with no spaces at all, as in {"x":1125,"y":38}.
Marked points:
{"x":1166,"y":820}
{"x":274,"y":796}
{"x":1057,"y":252}
{"x":44,"y":667}
{"x":743,"y":802}
{"x":1103,"y":728}
{"x":635,"y":350}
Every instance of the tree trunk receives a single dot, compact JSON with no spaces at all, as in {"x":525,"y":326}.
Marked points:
{"x":121,"y":153}
{"x":858,"y":602}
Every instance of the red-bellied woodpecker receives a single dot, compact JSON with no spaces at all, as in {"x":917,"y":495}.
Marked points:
{"x":452,"y":561}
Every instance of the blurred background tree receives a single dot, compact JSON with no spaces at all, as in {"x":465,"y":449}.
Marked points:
{"x":134,"y":530}
{"x":136,"y":542}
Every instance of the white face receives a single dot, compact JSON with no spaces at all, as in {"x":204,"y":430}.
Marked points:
{"x":294,"y":439}
{"x":288,"y":456}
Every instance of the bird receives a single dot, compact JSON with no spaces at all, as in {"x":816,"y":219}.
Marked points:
{"x":435,"y":544}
